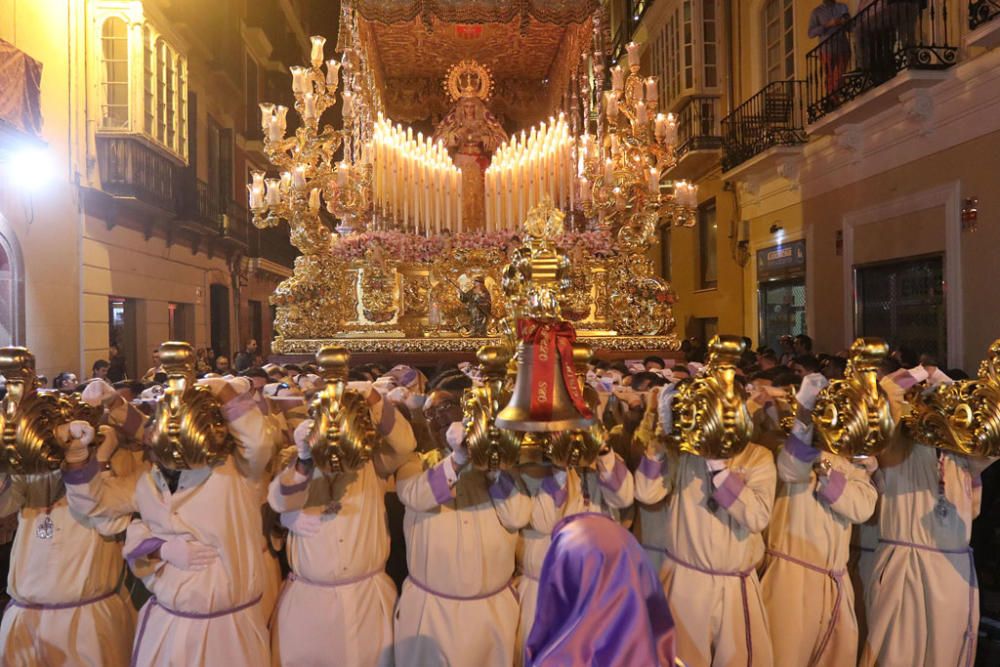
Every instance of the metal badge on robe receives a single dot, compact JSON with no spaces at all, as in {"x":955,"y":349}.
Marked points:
{"x":188,"y":430}
{"x":29,"y":417}
{"x":852,"y":416}
{"x":343,"y":436}
{"x":710,"y":413}
{"x":963,"y":417}
{"x":490,"y":447}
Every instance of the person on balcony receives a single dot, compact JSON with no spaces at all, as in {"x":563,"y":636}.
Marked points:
{"x":835,"y":50}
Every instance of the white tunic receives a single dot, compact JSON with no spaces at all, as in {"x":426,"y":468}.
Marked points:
{"x":457,"y":607}
{"x":70,"y":608}
{"x":713,"y":543}
{"x":923,"y":599}
{"x":336,"y":607}
{"x":806,"y":585}
{"x":557,"y":494}
{"x":211,"y":616}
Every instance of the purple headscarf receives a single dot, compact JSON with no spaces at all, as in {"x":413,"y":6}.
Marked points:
{"x":599,"y":601}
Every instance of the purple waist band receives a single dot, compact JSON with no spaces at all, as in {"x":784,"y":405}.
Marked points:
{"x":334,"y":584}
{"x":63,"y":605}
{"x":838,"y":580}
{"x":742,"y":575}
{"x":484,"y":596}
{"x":153,"y":602}
{"x":970,"y":630}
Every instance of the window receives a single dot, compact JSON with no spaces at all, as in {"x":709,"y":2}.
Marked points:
{"x":156,"y":105}
{"x":685,"y":53}
{"x":904,"y":302}
{"x":11,"y":288}
{"x":779,"y":35}
{"x":708,"y":247}
{"x":252,"y":122}
{"x":114,"y":59}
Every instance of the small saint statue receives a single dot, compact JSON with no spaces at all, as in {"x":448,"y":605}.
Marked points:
{"x":476,"y":298}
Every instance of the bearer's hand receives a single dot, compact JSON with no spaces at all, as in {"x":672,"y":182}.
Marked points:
{"x":187,"y":554}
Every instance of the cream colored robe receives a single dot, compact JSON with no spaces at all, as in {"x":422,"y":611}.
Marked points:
{"x":555,"y":495}
{"x":337,"y":606}
{"x":213,"y":616}
{"x":460,"y":544}
{"x":812,"y":523}
{"x":923,"y":601}
{"x":710,"y":609}
{"x":82,"y":561}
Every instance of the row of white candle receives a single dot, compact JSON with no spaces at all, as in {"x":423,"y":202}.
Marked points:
{"x":526,"y":169}
{"x":415,"y":183}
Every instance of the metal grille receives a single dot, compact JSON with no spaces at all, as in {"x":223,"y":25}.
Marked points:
{"x":903,"y":302}
{"x":782,"y":311}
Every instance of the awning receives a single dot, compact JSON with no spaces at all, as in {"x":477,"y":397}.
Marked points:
{"x":20,"y":89}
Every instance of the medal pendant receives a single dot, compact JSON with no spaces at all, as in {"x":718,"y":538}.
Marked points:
{"x":941,"y":509}
{"x":45,"y":528}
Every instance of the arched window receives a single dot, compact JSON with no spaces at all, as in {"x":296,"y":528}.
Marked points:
{"x":779,"y":40}
{"x":114,"y":56}
{"x":11,"y":288}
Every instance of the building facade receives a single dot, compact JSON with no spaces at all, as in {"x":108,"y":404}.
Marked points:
{"x":845,"y":175}
{"x":137,"y":231}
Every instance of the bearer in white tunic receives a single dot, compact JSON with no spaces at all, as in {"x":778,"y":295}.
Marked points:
{"x":805,"y":585}
{"x":67,"y":603}
{"x":556,"y":494}
{"x":716,"y":511}
{"x":457,"y":607}
{"x":923,"y":598}
{"x":198,"y":546}
{"x":336,"y":607}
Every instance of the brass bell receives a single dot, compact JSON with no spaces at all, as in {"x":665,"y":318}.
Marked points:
{"x":554,"y":409}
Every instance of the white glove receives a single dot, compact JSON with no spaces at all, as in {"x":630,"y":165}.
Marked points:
{"x":78,"y":436}
{"x":809,"y":390}
{"x":664,"y":407}
{"x":215,"y":385}
{"x":241,"y":385}
{"x":715,"y":465}
{"x":98,"y":392}
{"x":455,"y":437}
{"x":301,"y":437}
{"x":363,"y":387}
{"x":301,"y":523}
{"x":187,"y":554}
{"x":398,"y":395}
{"x":108,"y":445}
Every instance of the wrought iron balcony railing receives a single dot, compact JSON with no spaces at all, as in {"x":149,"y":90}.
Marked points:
{"x":698,"y":125}
{"x":887,"y":37}
{"x":773,"y":117}
{"x":131,"y":168}
{"x":983,"y":11}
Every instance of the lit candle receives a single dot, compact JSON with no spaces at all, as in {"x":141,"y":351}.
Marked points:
{"x":348,"y":104}
{"x":633,"y":54}
{"x":584,"y":189}
{"x":281,"y":116}
{"x":343,"y":173}
{"x":609,"y":171}
{"x":617,"y":79}
{"x":309,"y":107}
{"x":286,"y":181}
{"x":314,"y":202}
{"x":332,"y":72}
{"x":273,"y":191}
{"x":670,"y":138}
{"x":298,"y":79}
{"x":299,"y":177}
{"x":651,"y":91}
{"x":266,"y":116}
{"x":611,"y":104}
{"x":256,"y":197}
{"x":317,"y":50}
{"x":641,"y":118}
{"x":654,"y":181}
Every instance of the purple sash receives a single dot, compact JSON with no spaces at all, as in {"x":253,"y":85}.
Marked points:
{"x":506,"y":587}
{"x":742,"y":574}
{"x":838,"y":579}
{"x":62,"y":605}
{"x":153,"y":602}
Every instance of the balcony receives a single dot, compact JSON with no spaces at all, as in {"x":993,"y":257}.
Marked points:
{"x":272,"y":245}
{"x":767,"y":128}
{"x":868,"y":62}
{"x":984,"y":23}
{"x":132,"y":169}
{"x":699,"y":137}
